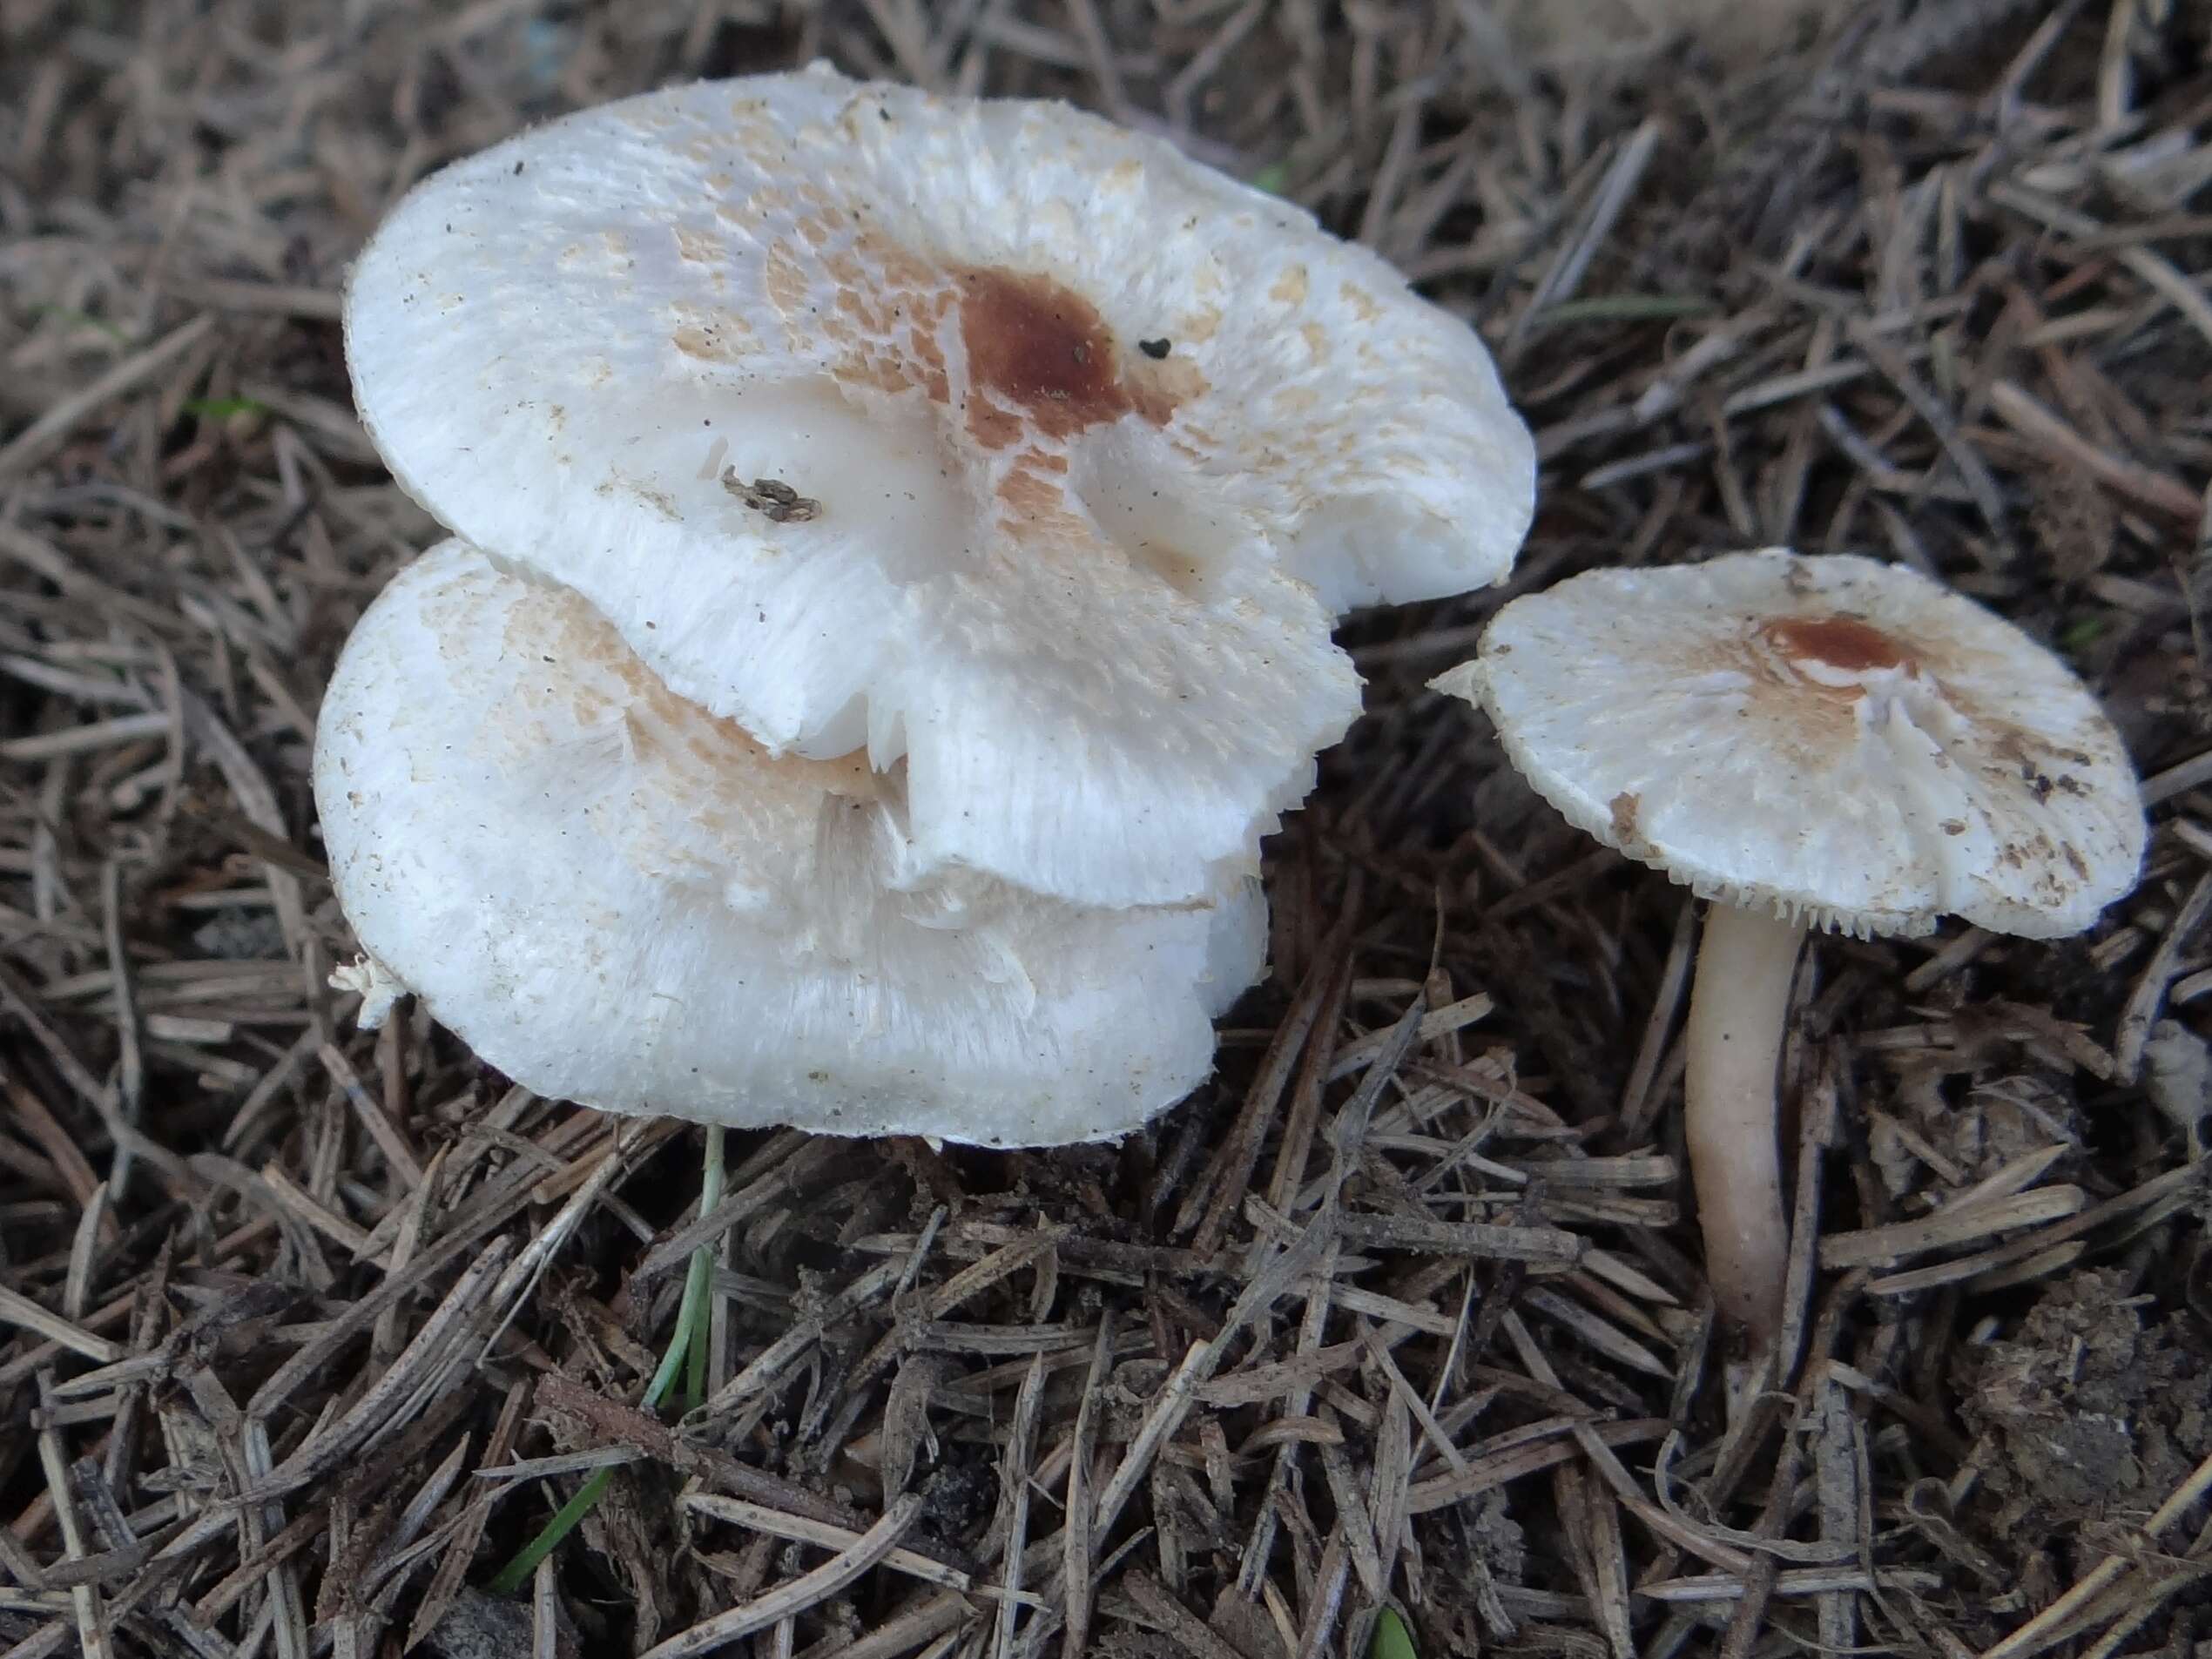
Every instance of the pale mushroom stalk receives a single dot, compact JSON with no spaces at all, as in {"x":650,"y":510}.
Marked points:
{"x":1738,"y":1007}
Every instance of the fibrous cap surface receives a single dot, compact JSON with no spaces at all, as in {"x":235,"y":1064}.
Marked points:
{"x":985,"y":433}
{"x":1830,"y":738}
{"x":619,"y":899}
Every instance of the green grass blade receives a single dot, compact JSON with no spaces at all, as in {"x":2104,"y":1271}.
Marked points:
{"x":689,"y":1340}
{"x":700,"y":1277}
{"x":1392,"y":1639}
{"x":565,"y":1521}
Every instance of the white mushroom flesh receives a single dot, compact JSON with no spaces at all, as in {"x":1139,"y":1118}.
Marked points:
{"x":1831,"y":739}
{"x":619,"y":899}
{"x":987,"y":434}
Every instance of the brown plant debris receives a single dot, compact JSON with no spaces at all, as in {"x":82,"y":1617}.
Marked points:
{"x":2087,"y":1411}
{"x":303,"y":1331}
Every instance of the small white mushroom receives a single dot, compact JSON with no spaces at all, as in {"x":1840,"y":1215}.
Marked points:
{"x":619,"y":899}
{"x":1827,"y":743}
{"x":984,"y":433}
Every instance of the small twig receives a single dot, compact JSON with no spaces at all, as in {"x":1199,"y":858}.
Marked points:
{"x":810,"y":1589}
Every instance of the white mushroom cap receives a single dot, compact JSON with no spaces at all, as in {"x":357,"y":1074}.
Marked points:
{"x":1831,"y":738}
{"x":1088,"y":442}
{"x":615,"y":898}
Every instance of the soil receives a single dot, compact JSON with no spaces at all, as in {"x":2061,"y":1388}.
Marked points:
{"x":2093,"y":1409}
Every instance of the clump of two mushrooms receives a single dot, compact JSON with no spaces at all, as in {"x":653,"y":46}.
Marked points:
{"x":897,"y":543}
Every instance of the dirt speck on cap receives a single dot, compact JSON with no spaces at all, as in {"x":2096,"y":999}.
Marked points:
{"x":1624,"y":808}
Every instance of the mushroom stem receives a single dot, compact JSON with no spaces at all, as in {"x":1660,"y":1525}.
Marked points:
{"x":1738,"y":1007}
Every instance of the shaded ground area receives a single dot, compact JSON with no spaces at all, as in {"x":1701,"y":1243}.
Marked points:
{"x":1933,"y":287}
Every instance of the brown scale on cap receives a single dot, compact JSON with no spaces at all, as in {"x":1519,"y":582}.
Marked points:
{"x":1041,"y":361}
{"x":1842,"y":642}
{"x":1045,"y":358}
{"x":1044,"y":366}
{"x":1626,"y":809}
{"x":1814,"y":712}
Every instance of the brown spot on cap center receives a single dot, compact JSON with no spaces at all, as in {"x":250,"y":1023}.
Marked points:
{"x":1043,"y":352}
{"x":1842,"y":642}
